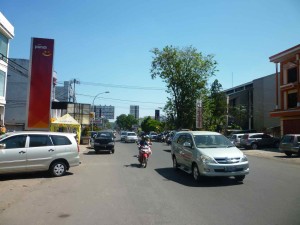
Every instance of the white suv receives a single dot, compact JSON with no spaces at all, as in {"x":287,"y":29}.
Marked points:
{"x":204,"y":153}
{"x":29,"y":151}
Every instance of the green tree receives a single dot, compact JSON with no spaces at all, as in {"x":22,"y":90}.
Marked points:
{"x":125,"y":122}
{"x":238,"y":117}
{"x":215,"y":108}
{"x":149,"y":124}
{"x":185,"y":72}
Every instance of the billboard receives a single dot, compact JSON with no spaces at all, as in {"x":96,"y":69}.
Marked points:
{"x":40,"y":84}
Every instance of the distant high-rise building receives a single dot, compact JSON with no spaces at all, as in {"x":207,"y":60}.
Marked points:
{"x":104,"y":110}
{"x":134,"y":110}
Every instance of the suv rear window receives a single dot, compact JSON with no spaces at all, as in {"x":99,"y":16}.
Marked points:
{"x":60,"y":140}
{"x":39,"y":140}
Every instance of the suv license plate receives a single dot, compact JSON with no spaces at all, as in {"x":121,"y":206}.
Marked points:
{"x":230,"y":168}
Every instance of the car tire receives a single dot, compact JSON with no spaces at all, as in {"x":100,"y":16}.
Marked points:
{"x":58,"y":169}
{"x":288,"y":154}
{"x":254,"y":146}
{"x":175,"y":164}
{"x":195,"y":172}
{"x":112,"y":151}
{"x":239,"y":178}
{"x":276,"y":144}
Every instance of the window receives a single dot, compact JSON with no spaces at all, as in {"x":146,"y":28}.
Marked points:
{"x":39,"y":140}
{"x":292,"y":75}
{"x":292,"y":100}
{"x":60,"y":140}
{"x":3,"y":46}
{"x":2,"y":83}
{"x":266,"y":136}
{"x":181,"y":139}
{"x":15,"y":142}
{"x":256,"y":136}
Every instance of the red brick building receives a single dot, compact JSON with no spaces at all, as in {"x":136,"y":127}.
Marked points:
{"x":288,"y":89}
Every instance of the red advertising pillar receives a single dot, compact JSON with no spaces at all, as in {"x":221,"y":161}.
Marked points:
{"x":40,"y":84}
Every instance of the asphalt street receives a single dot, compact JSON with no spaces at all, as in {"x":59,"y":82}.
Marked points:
{"x":113,"y":189}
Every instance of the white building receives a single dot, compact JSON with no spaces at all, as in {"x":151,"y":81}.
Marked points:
{"x":6,"y":33}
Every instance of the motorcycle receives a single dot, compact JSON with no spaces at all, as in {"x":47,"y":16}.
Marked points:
{"x":144,"y":153}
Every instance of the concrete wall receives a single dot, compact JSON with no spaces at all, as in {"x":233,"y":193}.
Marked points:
{"x":264,"y":100}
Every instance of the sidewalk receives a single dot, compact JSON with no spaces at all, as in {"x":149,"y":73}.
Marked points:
{"x":294,"y":159}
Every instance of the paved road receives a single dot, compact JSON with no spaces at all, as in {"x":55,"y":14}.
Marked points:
{"x":112,"y":189}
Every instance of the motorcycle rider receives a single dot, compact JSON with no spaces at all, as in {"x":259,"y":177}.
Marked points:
{"x":144,"y":142}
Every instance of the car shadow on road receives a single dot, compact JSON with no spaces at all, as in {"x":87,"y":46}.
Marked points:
{"x":167,"y":150}
{"x":28,"y":176}
{"x":97,"y":153}
{"x":185,"y":179}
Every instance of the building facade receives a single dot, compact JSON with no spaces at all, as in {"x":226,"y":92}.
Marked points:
{"x":135,"y":111}
{"x":6,"y":34}
{"x":255,"y":99}
{"x":64,"y":93}
{"x":287,"y":91}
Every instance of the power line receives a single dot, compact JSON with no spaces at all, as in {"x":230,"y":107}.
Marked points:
{"x":122,"y":86}
{"x":123,"y":99}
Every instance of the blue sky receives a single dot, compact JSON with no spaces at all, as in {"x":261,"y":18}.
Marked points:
{"x":106,"y":44}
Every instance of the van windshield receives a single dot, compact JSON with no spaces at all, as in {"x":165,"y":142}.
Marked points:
{"x":212,"y":141}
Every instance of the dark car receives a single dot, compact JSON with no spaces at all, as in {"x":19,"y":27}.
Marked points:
{"x":257,"y":140}
{"x":104,"y":141}
{"x":290,"y":144}
{"x":161,"y":137}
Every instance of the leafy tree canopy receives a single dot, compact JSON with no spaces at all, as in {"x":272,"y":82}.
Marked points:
{"x":125,"y":122}
{"x":185,"y":72}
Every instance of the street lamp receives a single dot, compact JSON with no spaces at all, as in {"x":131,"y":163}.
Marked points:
{"x":93,"y":106}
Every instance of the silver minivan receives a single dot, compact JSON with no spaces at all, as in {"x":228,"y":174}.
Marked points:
{"x":29,"y":151}
{"x":205,"y":153}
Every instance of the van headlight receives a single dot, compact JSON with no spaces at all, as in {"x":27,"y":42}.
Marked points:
{"x":244,"y":158}
{"x":206,"y":159}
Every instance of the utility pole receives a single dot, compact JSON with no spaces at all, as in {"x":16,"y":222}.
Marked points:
{"x":74,"y":95}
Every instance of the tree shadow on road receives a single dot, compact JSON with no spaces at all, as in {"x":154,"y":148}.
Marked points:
{"x":187,"y":180}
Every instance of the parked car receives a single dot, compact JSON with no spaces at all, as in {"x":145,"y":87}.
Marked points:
{"x":236,"y":139}
{"x":153,"y":136}
{"x":290,"y":144}
{"x":131,"y":137}
{"x":30,"y":151}
{"x":257,"y":140}
{"x":123,"y":134}
{"x":104,"y":141}
{"x":204,"y":153}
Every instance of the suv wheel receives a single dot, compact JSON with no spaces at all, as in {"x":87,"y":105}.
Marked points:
{"x":196,"y":174}
{"x":254,"y":146}
{"x":239,"y":178}
{"x":288,"y":154}
{"x":58,"y":169}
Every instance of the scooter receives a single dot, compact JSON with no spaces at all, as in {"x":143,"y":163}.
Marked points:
{"x":144,"y":153}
